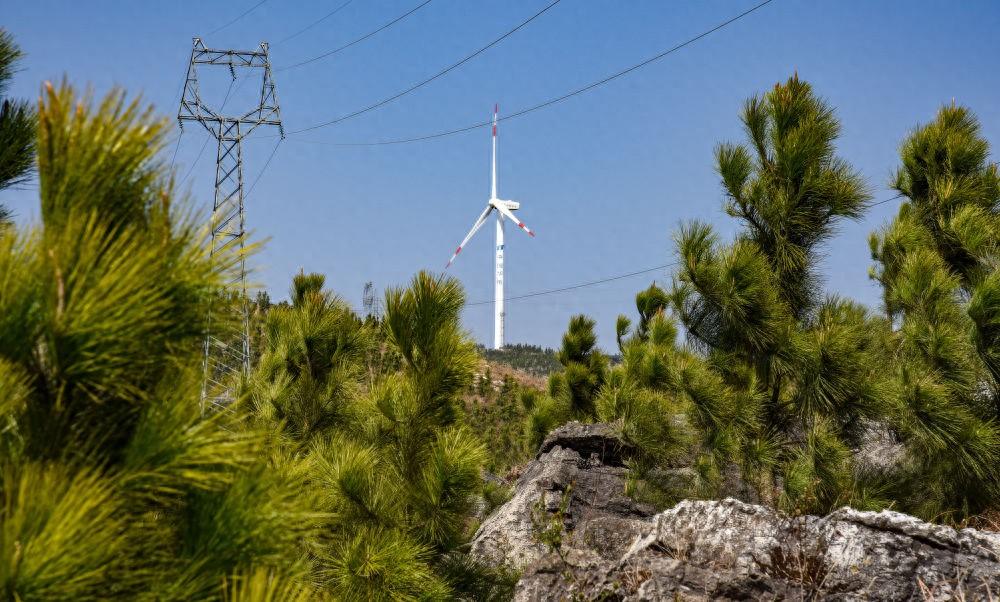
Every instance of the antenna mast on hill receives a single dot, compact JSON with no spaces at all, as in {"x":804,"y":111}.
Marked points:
{"x":227,"y":353}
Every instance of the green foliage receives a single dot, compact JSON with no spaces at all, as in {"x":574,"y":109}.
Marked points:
{"x":936,"y":263}
{"x":374,"y":564}
{"x":306,"y":287}
{"x":495,"y":495}
{"x":311,"y":362}
{"x":17,"y":126}
{"x":477,"y":580}
{"x":262,"y":585}
{"x":584,"y":369}
{"x":952,"y":190}
{"x":96,"y":308}
{"x":650,"y":303}
{"x":788,"y":187}
{"x":649,"y":398}
{"x":64,"y":534}
{"x":342,"y":471}
{"x":573,"y":391}
{"x":422,"y":322}
{"x":548,"y":413}
{"x":124,"y":187}
{"x":500,"y":421}
{"x":113,"y":483}
{"x":393,"y":470}
{"x":791,"y":379}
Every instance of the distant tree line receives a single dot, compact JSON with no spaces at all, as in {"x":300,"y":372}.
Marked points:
{"x":532,"y":359}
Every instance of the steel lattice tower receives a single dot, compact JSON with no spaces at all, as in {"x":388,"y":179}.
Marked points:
{"x":369,"y":301}
{"x":227,"y":354}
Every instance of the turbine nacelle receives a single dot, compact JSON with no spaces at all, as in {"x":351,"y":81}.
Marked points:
{"x":511,"y":205}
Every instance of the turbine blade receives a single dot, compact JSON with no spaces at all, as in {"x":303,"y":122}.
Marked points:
{"x":493,"y":160}
{"x":475,"y":228}
{"x":510,"y":215}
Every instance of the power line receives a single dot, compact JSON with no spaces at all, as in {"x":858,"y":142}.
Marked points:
{"x":314,"y":23}
{"x":196,"y":159}
{"x":546,"y":103}
{"x":433,"y":77}
{"x":262,"y":170}
{"x":245,"y":13}
{"x":887,"y":200}
{"x":563,"y":289}
{"x":177,"y":147}
{"x":353,"y":42}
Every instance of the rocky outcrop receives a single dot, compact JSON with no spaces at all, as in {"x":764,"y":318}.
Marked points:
{"x":732,"y":550}
{"x":575,"y":535}
{"x":574,"y":490}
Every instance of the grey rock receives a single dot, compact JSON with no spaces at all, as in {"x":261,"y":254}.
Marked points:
{"x":731,"y":550}
{"x":613,"y":548}
{"x":581,"y":467}
{"x":879,"y":451}
{"x":588,"y":440}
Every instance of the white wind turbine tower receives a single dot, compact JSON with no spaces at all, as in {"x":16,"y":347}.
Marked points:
{"x":504,"y":209}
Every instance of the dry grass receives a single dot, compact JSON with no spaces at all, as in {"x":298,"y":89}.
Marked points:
{"x":988,"y":520}
{"x":958,"y":590}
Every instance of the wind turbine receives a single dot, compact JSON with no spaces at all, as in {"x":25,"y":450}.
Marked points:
{"x":504,"y":209}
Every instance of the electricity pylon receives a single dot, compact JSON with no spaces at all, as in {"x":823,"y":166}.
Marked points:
{"x":227,"y":354}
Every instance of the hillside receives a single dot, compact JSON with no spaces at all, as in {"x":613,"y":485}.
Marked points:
{"x":531,"y":359}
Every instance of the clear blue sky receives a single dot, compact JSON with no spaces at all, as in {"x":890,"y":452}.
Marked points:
{"x":605,"y":178}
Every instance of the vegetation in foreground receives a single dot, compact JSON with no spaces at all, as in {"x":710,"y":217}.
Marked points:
{"x":814,"y":401}
{"x":351,"y":467}
{"x":17,"y":127}
{"x":343,"y":471}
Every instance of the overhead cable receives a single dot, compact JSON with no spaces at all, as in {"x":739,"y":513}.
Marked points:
{"x":563,"y":289}
{"x":355,"y":41}
{"x":245,"y":13}
{"x":313,"y":24}
{"x":887,"y":200}
{"x":424,"y":82}
{"x":262,"y":170}
{"x":538,"y":106}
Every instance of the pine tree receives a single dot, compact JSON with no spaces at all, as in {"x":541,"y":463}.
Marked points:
{"x":573,"y":390}
{"x":801,"y":368}
{"x":112,"y":482}
{"x":644,"y":396}
{"x":17,"y":126}
{"x":937,"y":266}
{"x":394,"y":469}
{"x":400,"y":480}
{"x":311,"y":364}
